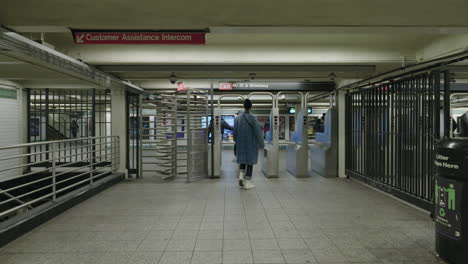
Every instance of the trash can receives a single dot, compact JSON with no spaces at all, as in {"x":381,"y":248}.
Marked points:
{"x":451,"y":200}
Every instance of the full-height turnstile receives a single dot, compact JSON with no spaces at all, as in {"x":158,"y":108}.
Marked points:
{"x":217,"y":137}
{"x":174,"y":138}
{"x":158,"y":137}
{"x":297,"y":160}
{"x":270,"y":157}
{"x":192,"y":130}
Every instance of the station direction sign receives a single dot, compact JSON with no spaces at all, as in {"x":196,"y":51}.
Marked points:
{"x":120,"y":37}
{"x":276,"y":86}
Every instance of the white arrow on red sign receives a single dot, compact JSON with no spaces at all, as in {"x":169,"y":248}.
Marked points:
{"x":79,"y":38}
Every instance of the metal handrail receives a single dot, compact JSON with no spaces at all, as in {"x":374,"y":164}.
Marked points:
{"x":273,"y":98}
{"x":239,"y":96}
{"x":301,"y":96}
{"x":53,"y":141}
{"x":84,"y":163}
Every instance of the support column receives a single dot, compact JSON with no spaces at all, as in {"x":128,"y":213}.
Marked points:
{"x":341,"y":133}
{"x":340,"y":102}
{"x":119,"y":125}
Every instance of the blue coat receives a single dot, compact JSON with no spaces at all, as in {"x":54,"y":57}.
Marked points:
{"x":248,"y":138}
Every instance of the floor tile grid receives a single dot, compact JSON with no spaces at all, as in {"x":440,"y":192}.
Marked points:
{"x":273,"y":193}
{"x":199,"y":227}
{"x":340,"y":258}
{"x":224,"y":218}
{"x":283,"y":196}
{"x":344,"y":252}
{"x":248,"y":234}
{"x":344,"y":257}
{"x":269,"y":222}
{"x":279,"y":200}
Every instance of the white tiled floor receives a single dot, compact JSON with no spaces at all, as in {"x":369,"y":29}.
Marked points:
{"x":285,"y":220}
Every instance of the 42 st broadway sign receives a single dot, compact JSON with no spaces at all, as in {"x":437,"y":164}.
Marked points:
{"x":166,"y":38}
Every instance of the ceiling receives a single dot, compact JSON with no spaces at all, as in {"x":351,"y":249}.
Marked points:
{"x":150,"y":14}
{"x":378,"y":34}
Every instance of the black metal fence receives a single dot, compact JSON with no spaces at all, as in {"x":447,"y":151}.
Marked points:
{"x":62,"y":114}
{"x":391,"y":131}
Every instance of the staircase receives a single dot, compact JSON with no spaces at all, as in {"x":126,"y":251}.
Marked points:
{"x":54,"y":134}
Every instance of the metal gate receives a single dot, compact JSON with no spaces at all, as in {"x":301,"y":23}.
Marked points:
{"x":391,"y":131}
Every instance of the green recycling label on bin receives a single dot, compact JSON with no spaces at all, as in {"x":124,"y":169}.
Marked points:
{"x":447,"y":209}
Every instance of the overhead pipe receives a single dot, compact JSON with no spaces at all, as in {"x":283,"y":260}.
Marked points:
{"x":429,"y":65}
{"x":273,"y":98}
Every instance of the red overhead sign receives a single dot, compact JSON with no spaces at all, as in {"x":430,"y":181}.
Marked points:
{"x":167,"y":38}
{"x":225,"y":86}
{"x":180,"y":86}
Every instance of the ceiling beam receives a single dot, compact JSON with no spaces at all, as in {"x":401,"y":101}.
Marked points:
{"x":238,"y":68}
{"x":343,"y":29}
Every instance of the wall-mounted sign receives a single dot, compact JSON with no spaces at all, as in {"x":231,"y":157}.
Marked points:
{"x":167,"y":38}
{"x":8,"y":93}
{"x":278,"y":86}
{"x":251,"y":85}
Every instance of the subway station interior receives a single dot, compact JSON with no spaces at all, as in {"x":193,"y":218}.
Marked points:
{"x":120,"y":130}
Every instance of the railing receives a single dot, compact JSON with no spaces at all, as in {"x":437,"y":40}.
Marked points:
{"x":36,"y":173}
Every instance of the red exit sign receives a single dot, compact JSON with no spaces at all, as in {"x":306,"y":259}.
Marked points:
{"x":165,"y":38}
{"x":225,"y":86}
{"x":180,"y":86}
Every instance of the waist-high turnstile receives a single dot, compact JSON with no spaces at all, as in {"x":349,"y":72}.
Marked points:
{"x":270,"y":157}
{"x":324,"y":151}
{"x":217,"y":137}
{"x":297,"y":160}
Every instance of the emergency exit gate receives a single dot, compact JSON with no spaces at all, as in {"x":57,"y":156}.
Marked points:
{"x":391,"y":131}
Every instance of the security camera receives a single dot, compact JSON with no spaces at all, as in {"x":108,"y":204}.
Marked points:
{"x":332,"y":76}
{"x":173,"y":78}
{"x":252,"y":76}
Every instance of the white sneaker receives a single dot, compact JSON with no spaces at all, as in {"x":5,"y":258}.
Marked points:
{"x":248,"y":185}
{"x":241,"y":178}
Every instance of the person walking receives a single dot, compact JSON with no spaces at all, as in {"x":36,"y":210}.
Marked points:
{"x":248,"y":139}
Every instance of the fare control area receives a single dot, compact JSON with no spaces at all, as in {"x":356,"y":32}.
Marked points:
{"x":305,"y":155}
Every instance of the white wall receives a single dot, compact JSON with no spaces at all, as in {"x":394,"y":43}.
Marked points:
{"x":12,"y":129}
{"x":119,"y":125}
